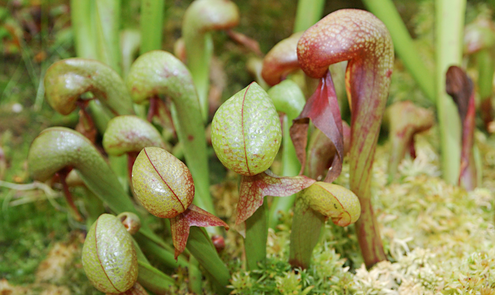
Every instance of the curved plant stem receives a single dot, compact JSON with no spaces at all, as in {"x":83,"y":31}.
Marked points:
{"x":160,"y":73}
{"x":370,"y":63}
{"x":57,"y":148}
{"x":449,"y":17}
{"x":202,"y":17}
{"x":404,"y":45}
{"x":66,"y":80}
{"x":151,"y":24}
{"x":308,"y":13}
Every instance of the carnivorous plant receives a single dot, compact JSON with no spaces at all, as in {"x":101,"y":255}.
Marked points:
{"x":201,"y":18}
{"x":246,"y":136}
{"x":158,"y":73}
{"x":363,"y":40}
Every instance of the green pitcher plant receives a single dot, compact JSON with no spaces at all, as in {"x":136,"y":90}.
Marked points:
{"x":160,"y":73}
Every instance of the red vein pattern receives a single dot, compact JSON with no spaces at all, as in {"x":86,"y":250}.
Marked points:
{"x":254,"y":188}
{"x":193,"y":216}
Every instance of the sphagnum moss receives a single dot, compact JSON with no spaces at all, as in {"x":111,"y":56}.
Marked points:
{"x":439,"y":238}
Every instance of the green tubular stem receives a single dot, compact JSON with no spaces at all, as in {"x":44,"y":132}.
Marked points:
{"x":83,"y":26}
{"x":100,"y":115}
{"x":108,"y":33}
{"x":93,"y":206}
{"x":306,"y":229}
{"x":66,"y":80}
{"x":200,"y":18}
{"x":151,"y":24}
{"x":308,"y":13}
{"x":404,"y":45}
{"x":290,"y":167}
{"x":289,"y":99}
{"x":195,"y":276}
{"x":153,"y":279}
{"x":198,"y":61}
{"x":449,"y":17}
{"x":200,"y":245}
{"x":150,"y":277}
{"x":485,"y":73}
{"x":160,"y":73}
{"x":161,"y":253}
{"x":119,"y":167}
{"x":256,"y":238}
{"x":58,"y":147}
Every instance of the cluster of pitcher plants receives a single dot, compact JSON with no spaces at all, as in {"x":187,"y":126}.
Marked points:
{"x":137,"y":117}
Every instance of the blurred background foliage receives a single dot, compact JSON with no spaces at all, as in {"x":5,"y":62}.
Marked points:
{"x":36,"y":33}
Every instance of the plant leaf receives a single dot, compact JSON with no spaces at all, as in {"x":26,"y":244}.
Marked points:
{"x":323,"y":110}
{"x":321,"y":152}
{"x":254,"y":188}
{"x":193,"y":216}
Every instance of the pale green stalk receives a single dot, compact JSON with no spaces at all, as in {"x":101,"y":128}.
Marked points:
{"x":202,"y":17}
{"x":151,"y":24}
{"x":84,"y":27}
{"x":404,"y":45}
{"x":256,"y":238}
{"x":449,"y":17}
{"x":287,"y":98}
{"x":305,"y":233}
{"x":308,"y":13}
{"x":130,"y":41}
{"x":108,"y":33}
{"x":201,"y":246}
{"x":195,"y":276}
